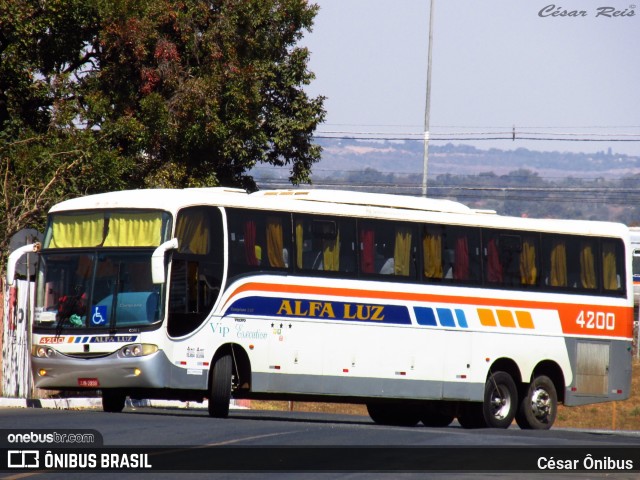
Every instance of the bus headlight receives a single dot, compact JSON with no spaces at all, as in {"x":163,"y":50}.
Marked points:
{"x":42,"y":351}
{"x":138,"y":350}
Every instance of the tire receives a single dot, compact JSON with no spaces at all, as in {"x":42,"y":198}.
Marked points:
{"x":435,"y":415}
{"x":437,"y":419}
{"x":395,"y":414}
{"x":220,"y":387}
{"x":379,"y":413}
{"x":470,"y":415}
{"x":500,"y":400}
{"x":539,"y":406}
{"x":113,"y":400}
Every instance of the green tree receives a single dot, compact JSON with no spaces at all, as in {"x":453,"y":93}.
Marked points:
{"x":102,"y":95}
{"x":200,"y":91}
{"x":45,"y":152}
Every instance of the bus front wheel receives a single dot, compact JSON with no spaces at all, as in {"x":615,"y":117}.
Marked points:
{"x":220,"y":387}
{"x":539,"y":406}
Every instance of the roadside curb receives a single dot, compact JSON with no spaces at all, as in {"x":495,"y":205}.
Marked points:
{"x":55,"y":403}
{"x":73,"y":403}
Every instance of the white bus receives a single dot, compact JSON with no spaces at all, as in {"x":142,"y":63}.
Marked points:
{"x":635,"y":268}
{"x":424,"y":310}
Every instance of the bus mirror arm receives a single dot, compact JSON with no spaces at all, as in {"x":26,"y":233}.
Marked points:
{"x":157,"y":260}
{"x":17,"y":255}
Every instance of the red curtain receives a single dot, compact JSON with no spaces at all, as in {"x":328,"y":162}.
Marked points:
{"x":367,"y":255}
{"x":494,"y":269}
{"x":250,"y":242}
{"x":461,"y":263}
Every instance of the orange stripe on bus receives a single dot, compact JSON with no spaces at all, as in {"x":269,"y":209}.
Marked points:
{"x":569,"y":313}
{"x":505,"y":318}
{"x":524,"y":319}
{"x":486,"y":317}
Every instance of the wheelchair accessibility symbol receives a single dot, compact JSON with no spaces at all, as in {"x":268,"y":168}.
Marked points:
{"x":99,"y":315}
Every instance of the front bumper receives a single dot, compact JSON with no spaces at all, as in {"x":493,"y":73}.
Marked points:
{"x":112,"y":371}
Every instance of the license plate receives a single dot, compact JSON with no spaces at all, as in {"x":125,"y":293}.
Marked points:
{"x":88,"y":382}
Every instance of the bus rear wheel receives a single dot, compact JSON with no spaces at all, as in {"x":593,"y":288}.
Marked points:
{"x":500,"y":400}
{"x":539,"y":406}
{"x":113,"y":400}
{"x":436,"y":415}
{"x":220,"y":387}
{"x":470,"y":415}
{"x":394,"y":414}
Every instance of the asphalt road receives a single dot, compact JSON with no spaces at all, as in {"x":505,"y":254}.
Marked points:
{"x":189,"y":430}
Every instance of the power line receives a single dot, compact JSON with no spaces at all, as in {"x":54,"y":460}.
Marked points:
{"x":453,"y":137}
{"x":583,"y":195}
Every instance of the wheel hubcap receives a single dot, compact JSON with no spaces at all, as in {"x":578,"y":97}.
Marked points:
{"x":500,"y":403}
{"x":540,"y":404}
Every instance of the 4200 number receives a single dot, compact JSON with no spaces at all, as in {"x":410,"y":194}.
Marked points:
{"x":596,"y":320}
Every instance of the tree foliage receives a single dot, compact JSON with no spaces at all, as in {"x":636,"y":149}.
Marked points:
{"x":98,"y":95}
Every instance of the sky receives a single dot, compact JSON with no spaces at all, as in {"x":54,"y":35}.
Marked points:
{"x":496,"y":65}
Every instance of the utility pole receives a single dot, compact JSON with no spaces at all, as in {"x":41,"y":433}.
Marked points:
{"x":427,"y":104}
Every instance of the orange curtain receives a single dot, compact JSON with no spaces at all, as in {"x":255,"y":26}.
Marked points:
{"x":275,"y":242}
{"x":558,"y":265}
{"x":528,"y":270}
{"x":299,"y":243}
{"x":402,"y":252}
{"x":587,"y":266}
{"x":331,"y":254}
{"x":609,"y":271}
{"x":432,"y":250}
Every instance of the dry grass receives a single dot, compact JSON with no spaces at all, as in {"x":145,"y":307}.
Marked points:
{"x":624,"y":415}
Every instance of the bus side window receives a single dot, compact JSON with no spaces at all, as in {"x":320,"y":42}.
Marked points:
{"x":503,"y":254}
{"x":196,"y":269}
{"x":452,"y":254}
{"x":510,"y":257}
{"x":612,"y":265}
{"x":324,"y":244}
{"x":258,"y":241}
{"x":571,"y":262}
{"x":387,"y":248}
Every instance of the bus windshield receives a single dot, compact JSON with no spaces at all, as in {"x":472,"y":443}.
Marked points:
{"x":96,"y":290}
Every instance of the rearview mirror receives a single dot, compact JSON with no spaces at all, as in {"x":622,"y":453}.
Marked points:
{"x":157,"y":260}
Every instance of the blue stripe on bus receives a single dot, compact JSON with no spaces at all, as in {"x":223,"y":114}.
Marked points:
{"x":426,"y":316}
{"x":462,"y":320}
{"x":445,"y":316}
{"x":320,"y":309}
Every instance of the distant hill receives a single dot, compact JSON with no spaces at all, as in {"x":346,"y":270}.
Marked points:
{"x":520,"y":182}
{"x":407,"y":157}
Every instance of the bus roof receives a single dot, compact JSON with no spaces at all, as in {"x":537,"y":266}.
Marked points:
{"x":371,"y":199}
{"x":324,"y":202}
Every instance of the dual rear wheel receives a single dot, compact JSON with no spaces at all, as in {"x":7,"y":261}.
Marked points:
{"x":535,"y":410}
